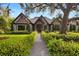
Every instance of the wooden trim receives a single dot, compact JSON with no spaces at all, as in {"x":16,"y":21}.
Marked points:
{"x":19,"y":16}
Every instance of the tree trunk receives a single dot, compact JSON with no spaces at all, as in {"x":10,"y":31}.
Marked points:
{"x":64,"y":22}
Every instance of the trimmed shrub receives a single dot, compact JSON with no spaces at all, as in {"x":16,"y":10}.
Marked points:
{"x":61,"y":45}
{"x":18,"y":32}
{"x":1,"y":32}
{"x":62,"y":48}
{"x":17,"y":45}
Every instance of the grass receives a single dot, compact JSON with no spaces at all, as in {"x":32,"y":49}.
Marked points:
{"x":16,"y":45}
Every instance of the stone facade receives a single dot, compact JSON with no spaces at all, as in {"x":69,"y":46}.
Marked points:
{"x":42,"y":24}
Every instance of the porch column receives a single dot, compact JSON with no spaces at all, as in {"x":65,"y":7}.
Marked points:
{"x":76,"y":28}
{"x":30,"y":27}
{"x":14,"y":27}
{"x":51,"y":27}
{"x":48,"y":28}
{"x":35,"y":27}
{"x":25,"y":27}
{"x":43,"y":27}
{"x":17,"y":27}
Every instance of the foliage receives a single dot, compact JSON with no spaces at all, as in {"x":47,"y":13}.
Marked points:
{"x":16,"y":45}
{"x":5,"y":23}
{"x":5,"y":19}
{"x":70,"y":36}
{"x":1,"y":31}
{"x":2,"y":23}
{"x":19,"y":32}
{"x":60,"y":47}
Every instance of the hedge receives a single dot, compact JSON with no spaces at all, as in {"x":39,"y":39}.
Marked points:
{"x":57,"y":46}
{"x":16,"y":45}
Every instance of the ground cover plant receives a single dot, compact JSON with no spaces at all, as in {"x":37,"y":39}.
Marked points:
{"x":59,"y":46}
{"x":16,"y":45}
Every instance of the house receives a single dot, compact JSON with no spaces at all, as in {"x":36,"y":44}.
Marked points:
{"x":22,"y":23}
{"x":38,"y":23}
{"x":73,"y":24}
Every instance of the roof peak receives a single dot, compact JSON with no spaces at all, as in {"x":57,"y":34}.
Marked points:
{"x":41,"y":16}
{"x":21,"y":13}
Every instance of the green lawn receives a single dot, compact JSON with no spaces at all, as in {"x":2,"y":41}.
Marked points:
{"x":61,"y":44}
{"x":16,"y":45}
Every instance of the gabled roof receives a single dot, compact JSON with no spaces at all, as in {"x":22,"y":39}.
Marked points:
{"x":33,"y":20}
{"x":45,"y":19}
{"x":22,"y":19}
{"x":56,"y":20}
{"x":76,"y":19}
{"x":41,"y":18}
{"x":48,"y":20}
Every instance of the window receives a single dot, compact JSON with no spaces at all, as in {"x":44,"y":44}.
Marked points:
{"x":72,"y":27}
{"x":56,"y":27}
{"x":28,"y":27}
{"x":21,"y":27}
{"x":45,"y":27}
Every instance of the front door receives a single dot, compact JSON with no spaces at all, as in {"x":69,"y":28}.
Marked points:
{"x":39,"y":27}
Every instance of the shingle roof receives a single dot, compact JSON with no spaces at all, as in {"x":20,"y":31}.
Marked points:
{"x":24,"y":19}
{"x":21,"y":19}
{"x":33,"y":20}
{"x":76,"y":19}
{"x":48,"y":20}
{"x":42,"y":18}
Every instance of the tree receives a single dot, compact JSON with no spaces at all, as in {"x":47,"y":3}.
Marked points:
{"x":5,"y":19}
{"x":65,"y":7}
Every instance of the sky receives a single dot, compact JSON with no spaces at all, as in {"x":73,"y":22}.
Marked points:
{"x":16,"y":10}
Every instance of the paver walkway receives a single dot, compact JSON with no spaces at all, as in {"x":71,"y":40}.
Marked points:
{"x":39,"y":48}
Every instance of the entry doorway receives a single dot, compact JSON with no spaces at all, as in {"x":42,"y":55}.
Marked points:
{"x":39,"y":28}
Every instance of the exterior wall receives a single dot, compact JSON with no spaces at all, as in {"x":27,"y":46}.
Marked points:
{"x":31,"y":28}
{"x":49,"y":27}
{"x":76,"y":28}
{"x":54,"y":24}
{"x":22,"y":19}
{"x":72,"y":23}
{"x":14,"y":27}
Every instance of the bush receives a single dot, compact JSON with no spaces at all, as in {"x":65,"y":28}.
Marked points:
{"x":61,"y":45}
{"x":1,"y":31}
{"x":18,"y":32}
{"x":68,"y":37}
{"x":62,"y":48}
{"x":17,"y":45}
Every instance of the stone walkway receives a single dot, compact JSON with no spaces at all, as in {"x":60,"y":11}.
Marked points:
{"x":39,"y":48}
